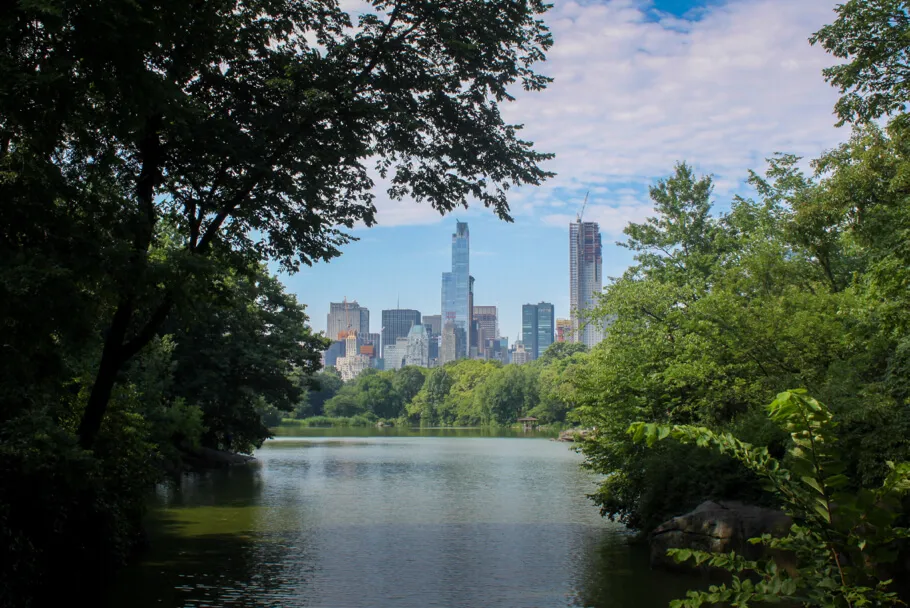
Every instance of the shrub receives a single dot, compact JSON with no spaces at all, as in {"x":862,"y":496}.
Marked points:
{"x":840,"y":537}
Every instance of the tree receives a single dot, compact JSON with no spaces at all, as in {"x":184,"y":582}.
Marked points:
{"x":326,"y":385}
{"x":680,"y":241}
{"x":408,"y":381}
{"x":872,"y":35}
{"x":507,"y":393}
{"x":561,"y":350}
{"x":238,"y":354}
{"x":376,"y":394}
{"x":254,"y":128}
{"x":346,"y":403}
{"x":712,"y":322}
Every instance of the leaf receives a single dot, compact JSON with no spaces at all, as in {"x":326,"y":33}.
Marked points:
{"x":822,"y":510}
{"x":681,"y":555}
{"x":812,"y":483}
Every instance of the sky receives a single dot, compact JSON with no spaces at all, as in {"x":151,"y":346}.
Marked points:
{"x":639,"y":85}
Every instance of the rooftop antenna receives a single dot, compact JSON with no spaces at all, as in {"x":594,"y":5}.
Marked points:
{"x":583,"y":205}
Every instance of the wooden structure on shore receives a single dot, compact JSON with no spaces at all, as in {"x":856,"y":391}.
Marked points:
{"x":528,"y":424}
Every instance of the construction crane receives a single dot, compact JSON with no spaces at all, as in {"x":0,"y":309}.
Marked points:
{"x":583,"y":205}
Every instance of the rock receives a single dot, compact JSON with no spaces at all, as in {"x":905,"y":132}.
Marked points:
{"x":717,"y":527}
{"x":574,"y":434}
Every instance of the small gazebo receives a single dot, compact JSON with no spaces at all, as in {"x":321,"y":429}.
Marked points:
{"x":528,"y":423}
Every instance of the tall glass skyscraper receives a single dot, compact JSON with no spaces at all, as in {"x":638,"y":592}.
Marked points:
{"x":537,"y":327}
{"x":456,"y":285}
{"x":585,"y":281}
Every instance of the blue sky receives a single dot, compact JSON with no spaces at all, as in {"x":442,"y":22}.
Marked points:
{"x":639,"y":85}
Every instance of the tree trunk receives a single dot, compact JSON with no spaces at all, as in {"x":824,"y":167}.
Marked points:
{"x":111,"y":362}
{"x":116,"y":352}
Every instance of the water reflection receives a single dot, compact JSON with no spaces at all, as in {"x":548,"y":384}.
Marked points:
{"x":392,"y":521}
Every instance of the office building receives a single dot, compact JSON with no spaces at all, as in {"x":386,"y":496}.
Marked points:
{"x":418,"y":347}
{"x":487,"y":323}
{"x":396,"y":323}
{"x":353,"y":363}
{"x":537,"y":326}
{"x":331,"y":355}
{"x":452,"y":343}
{"x":434,"y":350}
{"x":433,"y":323}
{"x":563,"y":330}
{"x":374,"y":340}
{"x":546,"y":328}
{"x":456,"y":285}
{"x":520,"y":355}
{"x":394,"y":355}
{"x":345,"y":316}
{"x":585,"y":281}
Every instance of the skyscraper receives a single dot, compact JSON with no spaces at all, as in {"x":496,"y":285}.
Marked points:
{"x":346,"y":315}
{"x":487,"y":325}
{"x":418,"y":347}
{"x":452,"y":343}
{"x":537,"y":325}
{"x":396,"y":323}
{"x":585,"y":280}
{"x":456,"y":285}
{"x":434,"y":324}
{"x":546,"y":326}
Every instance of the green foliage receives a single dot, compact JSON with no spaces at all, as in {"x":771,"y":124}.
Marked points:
{"x":324,"y":386}
{"x":841,"y":534}
{"x":461,"y":393}
{"x":804,"y":286}
{"x":67,"y":515}
{"x":327,"y":421}
{"x":237,"y":356}
{"x":872,"y":35}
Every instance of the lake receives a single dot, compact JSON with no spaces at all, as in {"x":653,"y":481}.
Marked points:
{"x":437,"y":518}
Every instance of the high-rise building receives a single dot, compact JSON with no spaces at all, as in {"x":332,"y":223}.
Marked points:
{"x":520,"y":355}
{"x":394,"y":355}
{"x":353,"y":363}
{"x":546,"y":328}
{"x":487,"y":325}
{"x":537,"y":325}
{"x":563,"y":330}
{"x":434,"y":350}
{"x":434,"y":324}
{"x":344,"y":316}
{"x":331,"y":355}
{"x":374,"y":340}
{"x":418,"y":347}
{"x":456,"y":285}
{"x":585,"y":281}
{"x":453,"y":343}
{"x":396,"y":323}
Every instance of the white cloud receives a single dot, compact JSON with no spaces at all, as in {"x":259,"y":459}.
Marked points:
{"x":633,"y":95}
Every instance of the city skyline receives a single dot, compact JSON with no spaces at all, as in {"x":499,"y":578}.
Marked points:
{"x":485,"y":318}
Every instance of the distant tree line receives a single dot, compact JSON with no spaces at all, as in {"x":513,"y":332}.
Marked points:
{"x":460,"y":393}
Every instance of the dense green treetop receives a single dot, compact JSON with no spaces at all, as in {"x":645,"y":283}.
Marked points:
{"x":871,"y":35}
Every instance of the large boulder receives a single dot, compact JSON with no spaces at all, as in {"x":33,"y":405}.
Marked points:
{"x":717,"y":527}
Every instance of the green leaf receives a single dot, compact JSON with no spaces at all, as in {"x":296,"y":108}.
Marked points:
{"x":812,"y":483}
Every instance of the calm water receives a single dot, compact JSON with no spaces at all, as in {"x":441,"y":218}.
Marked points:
{"x":397,"y":522}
